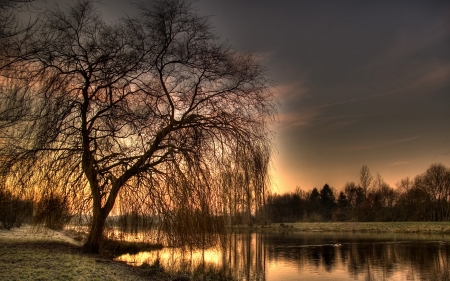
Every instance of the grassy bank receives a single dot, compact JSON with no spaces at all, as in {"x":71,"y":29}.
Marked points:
{"x":27,"y":254}
{"x":363,"y":227}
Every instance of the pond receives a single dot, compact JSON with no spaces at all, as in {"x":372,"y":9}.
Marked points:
{"x":314,"y":256}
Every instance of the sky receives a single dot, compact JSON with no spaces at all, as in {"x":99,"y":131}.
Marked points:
{"x":358,"y":83}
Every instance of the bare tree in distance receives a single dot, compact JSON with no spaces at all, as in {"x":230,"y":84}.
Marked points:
{"x":435,"y":181}
{"x":405,"y":184}
{"x":156,"y":104}
{"x":365,"y":178}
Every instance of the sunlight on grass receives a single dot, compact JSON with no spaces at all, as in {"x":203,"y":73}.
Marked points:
{"x":49,"y":261}
{"x":27,"y":254}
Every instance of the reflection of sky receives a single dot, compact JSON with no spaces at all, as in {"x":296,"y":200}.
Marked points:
{"x":316,"y":256}
{"x":289,"y":271}
{"x":174,"y":258}
{"x":358,"y":82}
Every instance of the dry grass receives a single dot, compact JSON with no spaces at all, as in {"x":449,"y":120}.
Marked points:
{"x":27,"y":254}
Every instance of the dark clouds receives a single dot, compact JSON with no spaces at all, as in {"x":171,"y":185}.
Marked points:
{"x":360,"y":83}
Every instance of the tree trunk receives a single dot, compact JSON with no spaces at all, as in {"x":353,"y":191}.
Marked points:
{"x":96,"y":232}
{"x":99,"y":214}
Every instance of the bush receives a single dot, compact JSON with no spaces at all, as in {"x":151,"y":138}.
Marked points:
{"x":13,"y":210}
{"x":52,"y":210}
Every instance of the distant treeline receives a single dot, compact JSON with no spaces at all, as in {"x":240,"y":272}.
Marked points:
{"x":424,"y":198}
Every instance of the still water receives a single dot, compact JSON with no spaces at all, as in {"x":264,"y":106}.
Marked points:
{"x":314,"y":256}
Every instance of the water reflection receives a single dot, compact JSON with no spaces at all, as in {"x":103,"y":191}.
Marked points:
{"x":315,"y":256}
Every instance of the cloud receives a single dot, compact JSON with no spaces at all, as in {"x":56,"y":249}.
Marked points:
{"x":341,"y":102}
{"x":412,"y":41}
{"x":298,"y":119}
{"x":291,"y":92}
{"x":382,"y":144}
{"x":434,"y":74}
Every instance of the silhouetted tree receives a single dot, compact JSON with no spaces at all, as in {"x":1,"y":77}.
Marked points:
{"x":156,"y":104}
{"x":425,"y":198}
{"x":380,"y":202}
{"x":288,"y":207}
{"x":342,"y":207}
{"x":315,"y":195}
{"x":414,"y":204}
{"x":355,"y":197}
{"x":327,"y":201}
{"x":365,"y":178}
{"x":388,"y":198}
{"x":436,"y":183}
{"x":314,"y":206}
{"x":405,"y":184}
{"x":342,"y":201}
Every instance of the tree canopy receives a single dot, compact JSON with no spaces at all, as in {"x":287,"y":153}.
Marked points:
{"x":156,"y":106}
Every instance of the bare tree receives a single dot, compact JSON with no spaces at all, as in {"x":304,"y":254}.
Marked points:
{"x":405,"y":185}
{"x":355,"y":199}
{"x":365,"y":178}
{"x":436,"y":183}
{"x":155,"y":104}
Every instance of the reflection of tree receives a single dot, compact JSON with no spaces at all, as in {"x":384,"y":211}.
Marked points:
{"x":248,"y":256}
{"x":328,"y":257}
{"x":245,"y":255}
{"x":364,"y":260}
{"x":315,"y":256}
{"x":379,"y":261}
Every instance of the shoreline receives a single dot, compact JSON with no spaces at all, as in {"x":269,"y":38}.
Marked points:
{"x":354,"y":227}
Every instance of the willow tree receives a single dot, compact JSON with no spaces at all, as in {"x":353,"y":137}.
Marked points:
{"x":13,"y":105}
{"x":156,"y":104}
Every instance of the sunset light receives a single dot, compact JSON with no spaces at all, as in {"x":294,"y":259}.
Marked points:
{"x":228,"y":140}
